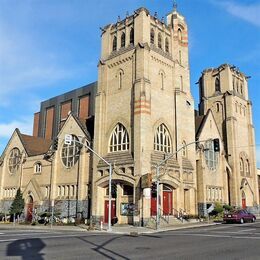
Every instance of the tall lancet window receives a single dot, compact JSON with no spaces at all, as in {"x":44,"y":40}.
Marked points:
{"x":217,"y":85}
{"x":132,"y":36}
{"x":114,"y":43}
{"x":162,"y":139}
{"x":119,"y":140}
{"x":159,"y":40}
{"x":123,"y":40}
{"x":152,"y":36}
{"x":166,"y":45}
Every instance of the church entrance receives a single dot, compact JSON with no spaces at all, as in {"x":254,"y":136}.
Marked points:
{"x":113,"y":210}
{"x":29,"y":214}
{"x":167,"y":200}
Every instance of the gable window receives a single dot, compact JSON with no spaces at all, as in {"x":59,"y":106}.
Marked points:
{"x":14,"y":160}
{"x":152,"y":36}
{"x":162,"y":139}
{"x":114,"y":43}
{"x":159,"y":40}
{"x":123,"y":40}
{"x":70,"y":152}
{"x":211,"y":156}
{"x":38,"y":167}
{"x":132,"y":36}
{"x":119,"y":140}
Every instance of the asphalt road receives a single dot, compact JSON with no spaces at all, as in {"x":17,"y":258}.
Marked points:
{"x":227,"y":241}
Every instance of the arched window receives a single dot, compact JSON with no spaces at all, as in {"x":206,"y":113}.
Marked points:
{"x":247,"y":168}
{"x":114,"y":43}
{"x":180,"y":58}
{"x":236,"y":105}
{"x":132,"y":36}
{"x":162,"y":76}
{"x":211,"y":156}
{"x":179,"y":34}
{"x":162,"y":139}
{"x":38,"y":167}
{"x":237,"y":88}
{"x":119,"y":140}
{"x":218,"y":107}
{"x":241,"y":89}
{"x":234,"y":84}
{"x":241,"y":167}
{"x":120,"y":78}
{"x":70,"y":152}
{"x":152,"y":36}
{"x":123,"y":39}
{"x":217,"y":85}
{"x":166,"y":45}
{"x":159,"y":40}
{"x":14,"y":160}
{"x":184,"y":149}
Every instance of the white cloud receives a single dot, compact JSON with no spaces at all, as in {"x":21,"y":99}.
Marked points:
{"x":249,"y":12}
{"x":25,"y":126}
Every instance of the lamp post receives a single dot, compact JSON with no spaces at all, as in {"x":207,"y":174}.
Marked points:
{"x":68,"y":141}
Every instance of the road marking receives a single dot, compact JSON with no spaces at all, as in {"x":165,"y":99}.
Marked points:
{"x":2,"y":233}
{"x":218,"y":236}
{"x":245,"y":230}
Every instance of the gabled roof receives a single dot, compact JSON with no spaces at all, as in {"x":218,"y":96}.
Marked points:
{"x":81,"y":123}
{"x":199,"y":122}
{"x":34,"y":145}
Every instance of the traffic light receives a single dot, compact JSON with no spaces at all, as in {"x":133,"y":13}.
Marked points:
{"x":154,"y":190}
{"x":216,"y":145}
{"x":55,"y":144}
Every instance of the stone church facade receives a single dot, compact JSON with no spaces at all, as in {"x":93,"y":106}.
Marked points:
{"x":139,"y":112}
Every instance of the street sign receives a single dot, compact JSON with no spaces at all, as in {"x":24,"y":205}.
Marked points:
{"x":68,"y":139}
{"x":211,"y":208}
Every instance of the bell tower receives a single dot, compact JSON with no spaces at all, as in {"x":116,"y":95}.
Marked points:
{"x":224,"y":90}
{"x":144,"y":85}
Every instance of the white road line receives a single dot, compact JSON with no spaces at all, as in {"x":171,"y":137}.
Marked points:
{"x":218,"y":236}
{"x":2,"y":233}
{"x":245,"y":230}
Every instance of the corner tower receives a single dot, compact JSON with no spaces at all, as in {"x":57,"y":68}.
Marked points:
{"x":144,"y":110}
{"x":224,"y":90}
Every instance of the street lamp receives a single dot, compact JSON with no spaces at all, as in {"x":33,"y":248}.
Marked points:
{"x":68,"y":141}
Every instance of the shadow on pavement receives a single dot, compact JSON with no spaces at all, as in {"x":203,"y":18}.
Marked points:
{"x":26,"y":249}
{"x":109,"y":254}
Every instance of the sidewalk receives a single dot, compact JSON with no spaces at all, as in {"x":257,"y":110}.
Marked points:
{"x":117,"y":229}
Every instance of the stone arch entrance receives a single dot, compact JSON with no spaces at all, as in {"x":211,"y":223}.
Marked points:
{"x":29,"y":206}
{"x":122,"y":202}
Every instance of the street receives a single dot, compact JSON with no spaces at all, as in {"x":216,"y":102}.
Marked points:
{"x":224,"y":241}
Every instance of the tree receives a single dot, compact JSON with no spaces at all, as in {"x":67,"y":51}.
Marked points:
{"x":17,"y":206}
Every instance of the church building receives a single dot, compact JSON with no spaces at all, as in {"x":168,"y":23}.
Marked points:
{"x":139,"y":113}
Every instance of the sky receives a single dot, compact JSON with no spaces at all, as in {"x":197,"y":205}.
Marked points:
{"x":48,"y":47}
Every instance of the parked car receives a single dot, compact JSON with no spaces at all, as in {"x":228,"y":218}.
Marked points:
{"x":239,"y":216}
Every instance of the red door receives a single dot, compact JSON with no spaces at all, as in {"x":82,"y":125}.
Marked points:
{"x":153,"y":206}
{"x":29,"y":211}
{"x":113,"y":210}
{"x":243,"y":203}
{"x":167,"y":202}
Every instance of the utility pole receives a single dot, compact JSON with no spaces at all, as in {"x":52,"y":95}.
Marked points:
{"x":68,"y":140}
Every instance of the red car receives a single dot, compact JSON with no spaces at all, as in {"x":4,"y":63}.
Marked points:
{"x":239,"y":216}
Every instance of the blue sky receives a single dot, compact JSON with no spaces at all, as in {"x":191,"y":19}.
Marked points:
{"x":48,"y":47}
